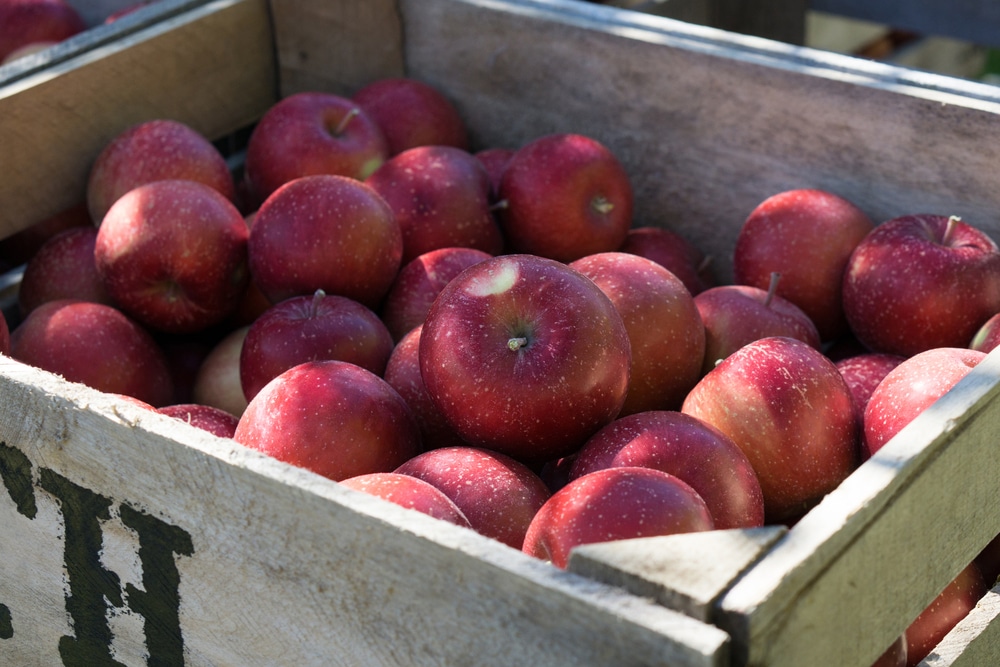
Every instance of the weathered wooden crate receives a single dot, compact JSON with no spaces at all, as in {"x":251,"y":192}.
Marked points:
{"x":129,"y":538}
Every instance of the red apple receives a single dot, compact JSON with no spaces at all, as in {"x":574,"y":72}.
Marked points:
{"x":441,"y":198}
{"x":565,"y":196}
{"x":402,"y":372}
{"x":673,"y":252}
{"x":325,"y":232}
{"x":412,"y":113}
{"x":63,"y":268}
{"x":173,"y":255}
{"x":310,"y":328}
{"x":96,"y":345}
{"x":687,"y":448}
{"x":207,"y":418}
{"x":665,"y":331}
{"x":614,"y":504}
{"x":333,"y":418}
{"x":953,"y":604}
{"x":217,"y":380}
{"x":155,"y":150}
{"x":735,"y":315}
{"x":987,"y":337}
{"x":525,"y":356}
{"x":312,"y":133}
{"x":409,"y":492}
{"x":894,"y":655}
{"x":498,"y":495}
{"x":27,"y":22}
{"x":419,"y":282}
{"x":807,"y":236}
{"x":185,"y":353}
{"x":790,"y":411}
{"x":863,"y":372}
{"x":910,"y":388}
{"x":921,"y":281}
{"x":494,"y":161}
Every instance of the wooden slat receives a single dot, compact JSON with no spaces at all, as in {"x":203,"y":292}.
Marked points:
{"x":282,"y":567}
{"x":879,"y":548}
{"x":975,"y":641}
{"x":211,"y":67}
{"x":976,"y":21}
{"x":709,"y":123}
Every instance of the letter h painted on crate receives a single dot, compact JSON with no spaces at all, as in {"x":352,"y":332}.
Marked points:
{"x":91,"y":587}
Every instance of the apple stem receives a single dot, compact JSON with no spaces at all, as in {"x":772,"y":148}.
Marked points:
{"x":602,"y":205}
{"x":318,"y":296}
{"x":517,"y":343}
{"x":772,"y":288}
{"x":345,"y":120}
{"x":499,"y":205}
{"x":704,"y":264}
{"x":949,"y":231}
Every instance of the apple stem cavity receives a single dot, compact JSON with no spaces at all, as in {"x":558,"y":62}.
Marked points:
{"x":345,"y":120}
{"x":949,"y":231}
{"x":772,"y":288}
{"x":517,"y":343}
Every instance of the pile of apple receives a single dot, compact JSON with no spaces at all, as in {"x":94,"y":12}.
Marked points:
{"x":489,"y":338}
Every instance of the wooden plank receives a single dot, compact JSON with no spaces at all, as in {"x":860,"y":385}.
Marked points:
{"x":975,"y":641}
{"x":336,"y":46}
{"x":211,"y":67}
{"x":880,"y":547}
{"x":976,"y":21}
{"x":784,"y":20}
{"x":710,"y":123}
{"x":124,"y":531}
{"x":687,"y":572}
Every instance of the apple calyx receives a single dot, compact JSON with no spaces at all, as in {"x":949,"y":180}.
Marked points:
{"x":516,"y":343}
{"x":772,"y":288}
{"x":602,"y":205}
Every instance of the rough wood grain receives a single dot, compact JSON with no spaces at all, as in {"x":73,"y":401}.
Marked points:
{"x":975,"y":641}
{"x":879,"y":548}
{"x":211,"y":67}
{"x":285,"y":567}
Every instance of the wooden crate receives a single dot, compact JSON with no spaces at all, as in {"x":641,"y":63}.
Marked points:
{"x":128,"y":537}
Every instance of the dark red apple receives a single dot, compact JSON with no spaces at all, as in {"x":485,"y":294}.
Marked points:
{"x":665,"y":330}
{"x":525,"y":356}
{"x":173,"y":255}
{"x":806,"y":235}
{"x":155,"y":150}
{"x":734,"y":315}
{"x":894,"y":655}
{"x":440,"y":196}
{"x":921,"y":281}
{"x":402,"y":372}
{"x":310,"y":328}
{"x":687,"y":448}
{"x":4,"y":335}
{"x":987,"y":337}
{"x":96,"y":345}
{"x":24,"y":23}
{"x":789,"y":409}
{"x":673,"y":252}
{"x":409,"y":492}
{"x":63,"y":268}
{"x":412,"y":113}
{"x":311,"y":133}
{"x":208,"y":418}
{"x":863,"y":372}
{"x":953,"y":604}
{"x":910,"y":388}
{"x":565,"y":196}
{"x":333,"y":418}
{"x":325,"y":232}
{"x":498,"y":495}
{"x":614,"y":504}
{"x":494,"y":160}
{"x":419,"y":282}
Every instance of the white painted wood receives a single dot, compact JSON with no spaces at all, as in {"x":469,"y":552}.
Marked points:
{"x":289,"y":568}
{"x":975,"y":641}
{"x":687,"y":572}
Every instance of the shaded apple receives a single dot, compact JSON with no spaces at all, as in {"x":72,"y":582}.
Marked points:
{"x":614,"y":504}
{"x":673,"y":252}
{"x":950,"y":606}
{"x":333,"y":418}
{"x":497,"y":494}
{"x":208,"y":418}
{"x":412,"y":113}
{"x":24,"y":23}
{"x":987,"y":337}
{"x":217,"y":380}
{"x":63,"y":268}
{"x":863,"y":372}
{"x":494,"y":161}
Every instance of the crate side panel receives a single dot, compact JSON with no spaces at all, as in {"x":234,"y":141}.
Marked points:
{"x":117,"y":516}
{"x":336,"y":46}
{"x":211,"y":67}
{"x":709,"y":124}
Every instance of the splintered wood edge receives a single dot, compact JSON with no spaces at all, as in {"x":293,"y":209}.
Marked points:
{"x":886,"y":541}
{"x":686,"y":572}
{"x":262,"y":515}
{"x":975,"y":641}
